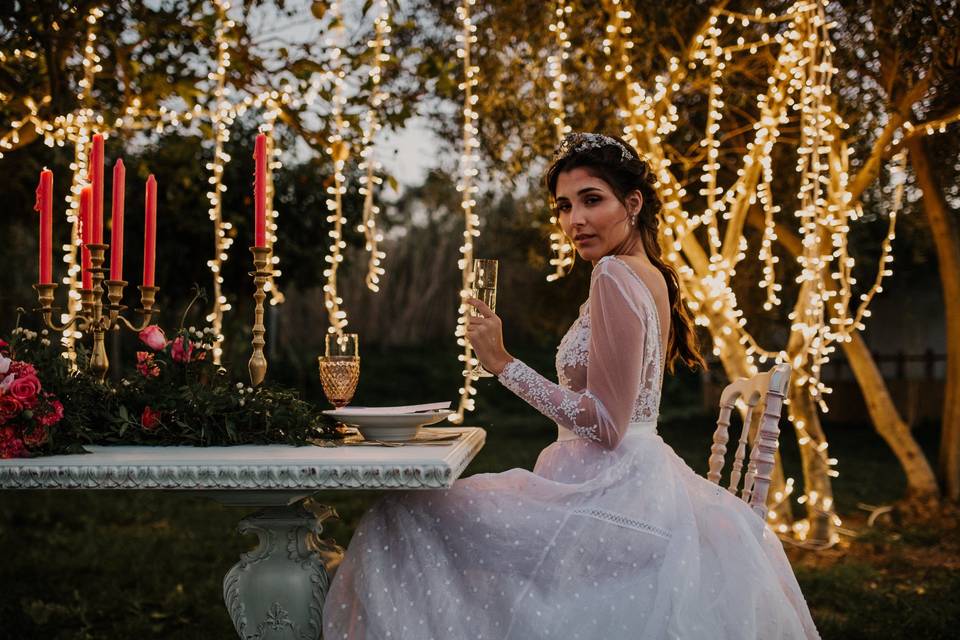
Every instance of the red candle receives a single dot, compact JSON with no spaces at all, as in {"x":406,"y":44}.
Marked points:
{"x":260,"y":191}
{"x":86,"y":235}
{"x":150,"y":231}
{"x":96,"y":178}
{"x":116,"y":233}
{"x":44,"y":207}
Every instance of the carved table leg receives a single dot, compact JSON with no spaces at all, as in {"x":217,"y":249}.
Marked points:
{"x":277,"y":590}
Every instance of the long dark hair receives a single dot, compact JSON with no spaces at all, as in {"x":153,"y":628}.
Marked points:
{"x":626,"y":173}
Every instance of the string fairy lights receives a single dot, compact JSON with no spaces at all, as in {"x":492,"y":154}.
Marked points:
{"x":339,"y":150}
{"x":222,"y":117}
{"x":468,"y":189}
{"x":826,"y":312}
{"x":560,"y":245}
{"x":798,"y":92}
{"x":81,"y":132}
{"x":273,"y":164}
{"x":369,"y":166}
{"x":224,"y":107}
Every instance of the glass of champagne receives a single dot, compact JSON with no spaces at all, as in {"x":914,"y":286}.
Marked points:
{"x":340,"y":370}
{"x":485,"y":290}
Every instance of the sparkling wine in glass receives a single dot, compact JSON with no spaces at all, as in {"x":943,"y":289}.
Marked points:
{"x":340,"y":369}
{"x":485,"y":290}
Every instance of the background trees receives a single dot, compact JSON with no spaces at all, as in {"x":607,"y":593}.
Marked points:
{"x":896,"y":80}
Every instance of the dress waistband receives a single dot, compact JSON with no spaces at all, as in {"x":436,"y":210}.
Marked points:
{"x":644,"y":428}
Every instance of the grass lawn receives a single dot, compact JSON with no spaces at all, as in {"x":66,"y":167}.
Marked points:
{"x":114,"y":564}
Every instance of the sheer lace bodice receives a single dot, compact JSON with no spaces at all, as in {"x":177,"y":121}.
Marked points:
{"x":609,"y":364}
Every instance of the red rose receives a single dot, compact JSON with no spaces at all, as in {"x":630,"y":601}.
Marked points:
{"x":153,"y":337}
{"x":182,"y":349}
{"x":36,"y":437}
{"x":25,"y":389}
{"x":150,"y":419}
{"x":146,"y":365}
{"x":22,"y":369}
{"x":10,"y":407}
{"x":54,"y":412}
{"x":10,"y":445}
{"x":3,"y":343}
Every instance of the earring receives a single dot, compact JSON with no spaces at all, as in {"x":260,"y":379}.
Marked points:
{"x":633,"y":219}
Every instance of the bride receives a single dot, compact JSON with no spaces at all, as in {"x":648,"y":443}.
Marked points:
{"x":612,"y":535}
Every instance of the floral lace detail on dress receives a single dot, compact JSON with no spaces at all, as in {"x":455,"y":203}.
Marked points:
{"x":574,"y":348}
{"x":590,"y":432}
{"x":524,"y":381}
{"x":528,"y":384}
{"x":570,"y":405}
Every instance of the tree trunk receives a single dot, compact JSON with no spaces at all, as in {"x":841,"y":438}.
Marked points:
{"x":947,"y":242}
{"x":811,"y":441}
{"x":816,"y":471}
{"x":921,"y":483}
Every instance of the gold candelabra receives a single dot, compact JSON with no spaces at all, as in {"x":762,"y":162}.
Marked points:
{"x":262,"y":259}
{"x":91,"y":317}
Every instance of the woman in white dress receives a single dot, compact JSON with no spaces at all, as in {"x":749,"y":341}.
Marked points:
{"x":612,"y":535}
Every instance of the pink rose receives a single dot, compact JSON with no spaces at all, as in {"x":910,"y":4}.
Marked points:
{"x":10,"y":445}
{"x":153,"y":337}
{"x":146,"y":365}
{"x":37,"y":437}
{"x":25,"y":389}
{"x":182,"y":349}
{"x":150,"y":419}
{"x":54,"y":412}
{"x":10,"y":407}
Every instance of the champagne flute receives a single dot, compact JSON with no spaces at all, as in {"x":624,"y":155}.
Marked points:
{"x":340,"y":370}
{"x":485,"y":290}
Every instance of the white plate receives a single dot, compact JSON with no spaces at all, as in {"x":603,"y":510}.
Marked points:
{"x":389,"y":427}
{"x":412,"y":408}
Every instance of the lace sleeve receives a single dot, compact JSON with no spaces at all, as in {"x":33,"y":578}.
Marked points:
{"x":615,"y":365}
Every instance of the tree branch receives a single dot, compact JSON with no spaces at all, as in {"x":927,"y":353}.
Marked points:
{"x":920,"y":130}
{"x":881,"y":147}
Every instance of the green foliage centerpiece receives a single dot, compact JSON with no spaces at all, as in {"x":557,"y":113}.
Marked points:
{"x":178,"y":396}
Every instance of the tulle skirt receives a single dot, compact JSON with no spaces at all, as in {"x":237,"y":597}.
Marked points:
{"x":629,"y":543}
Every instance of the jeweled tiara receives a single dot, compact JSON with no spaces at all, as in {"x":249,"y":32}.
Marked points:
{"x":580,"y":141}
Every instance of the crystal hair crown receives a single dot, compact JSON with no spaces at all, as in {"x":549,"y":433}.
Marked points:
{"x":579,"y":141}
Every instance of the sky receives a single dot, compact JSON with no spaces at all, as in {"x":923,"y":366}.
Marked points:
{"x":407,"y":153}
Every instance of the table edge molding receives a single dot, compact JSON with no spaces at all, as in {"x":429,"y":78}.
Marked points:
{"x":242,"y":476}
{"x":224,"y":477}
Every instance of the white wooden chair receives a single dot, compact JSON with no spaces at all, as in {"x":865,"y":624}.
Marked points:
{"x":767,"y":389}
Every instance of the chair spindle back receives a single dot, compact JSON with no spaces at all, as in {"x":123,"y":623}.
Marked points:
{"x":767,"y":390}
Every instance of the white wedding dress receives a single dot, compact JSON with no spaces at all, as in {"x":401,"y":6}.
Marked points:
{"x":611,"y":536}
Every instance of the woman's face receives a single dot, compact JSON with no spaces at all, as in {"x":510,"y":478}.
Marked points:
{"x":591,"y":215}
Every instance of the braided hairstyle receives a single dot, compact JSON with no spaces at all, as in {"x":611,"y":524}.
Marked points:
{"x":620,"y":166}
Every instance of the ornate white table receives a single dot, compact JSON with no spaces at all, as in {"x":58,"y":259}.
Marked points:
{"x":277,"y":590}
